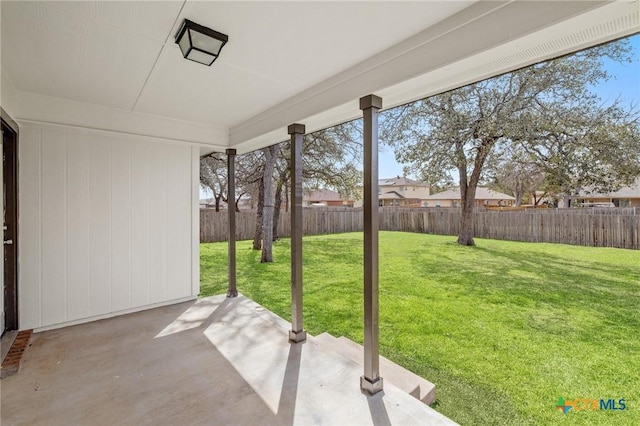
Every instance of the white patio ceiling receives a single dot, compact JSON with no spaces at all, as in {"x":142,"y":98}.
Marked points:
{"x":115,"y":66}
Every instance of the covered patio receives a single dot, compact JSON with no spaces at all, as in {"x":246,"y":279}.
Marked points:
{"x":217,"y":360}
{"x":109,"y":123}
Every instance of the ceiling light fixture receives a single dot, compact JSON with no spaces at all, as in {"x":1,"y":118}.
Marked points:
{"x":200,"y":44}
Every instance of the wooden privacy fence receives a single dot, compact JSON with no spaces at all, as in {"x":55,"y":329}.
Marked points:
{"x":214,"y":225}
{"x":597,"y":228}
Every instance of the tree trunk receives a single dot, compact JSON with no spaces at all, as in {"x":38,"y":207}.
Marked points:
{"x":257,"y":237}
{"x":237,"y":202}
{"x":217,"y":198}
{"x":519,"y":191}
{"x":276,"y":211}
{"x":267,"y":217}
{"x":286,"y":196}
{"x":518,"y":195}
{"x":468,"y":189}
{"x":536,"y":200}
{"x":465,"y":235}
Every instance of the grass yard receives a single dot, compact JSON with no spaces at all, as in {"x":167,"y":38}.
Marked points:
{"x":504,"y":328}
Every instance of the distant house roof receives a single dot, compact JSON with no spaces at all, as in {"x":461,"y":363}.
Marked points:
{"x":400,"y":181}
{"x":632,"y":191}
{"x":391,"y":195}
{"x":321,"y":195}
{"x":481,"y":194}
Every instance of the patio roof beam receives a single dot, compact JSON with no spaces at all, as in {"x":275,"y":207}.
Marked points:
{"x":371,"y":381}
{"x":297,"y":333}
{"x":232,"y":290}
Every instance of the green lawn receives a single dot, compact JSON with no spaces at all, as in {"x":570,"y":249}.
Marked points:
{"x":504,"y":328}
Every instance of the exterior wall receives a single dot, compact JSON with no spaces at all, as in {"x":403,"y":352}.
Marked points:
{"x":629,"y":202}
{"x":339,"y":203}
{"x":416,"y":192}
{"x":494,"y":203}
{"x":108,"y":223}
{"x":440,"y":203}
{"x":390,"y":203}
{"x":330,"y":203}
{"x":400,"y":202}
{"x":450,"y":203}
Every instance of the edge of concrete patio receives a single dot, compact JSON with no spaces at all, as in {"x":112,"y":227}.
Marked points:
{"x":216,"y":360}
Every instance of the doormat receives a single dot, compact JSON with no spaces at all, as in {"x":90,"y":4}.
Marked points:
{"x":13,"y":361}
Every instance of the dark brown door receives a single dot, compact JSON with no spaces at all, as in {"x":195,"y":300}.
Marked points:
{"x":10,"y":224}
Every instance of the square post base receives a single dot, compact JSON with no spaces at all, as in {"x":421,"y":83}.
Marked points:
{"x":231,"y":293}
{"x":297,"y":336}
{"x":371,"y":388}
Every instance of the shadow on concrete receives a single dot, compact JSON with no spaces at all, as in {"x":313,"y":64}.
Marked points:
{"x":379,"y":415}
{"x":201,"y":313}
{"x":289,"y":392}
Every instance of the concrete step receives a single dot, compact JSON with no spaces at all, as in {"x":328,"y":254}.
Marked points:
{"x":399,"y":376}
{"x":327,"y":341}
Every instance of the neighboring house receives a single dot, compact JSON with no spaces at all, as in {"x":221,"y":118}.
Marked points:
{"x":400,"y":192}
{"x":392,"y":199}
{"x":628,"y":196}
{"x":324,"y":198}
{"x":484,"y":197}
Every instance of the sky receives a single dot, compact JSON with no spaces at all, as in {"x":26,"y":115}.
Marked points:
{"x":624,"y":84}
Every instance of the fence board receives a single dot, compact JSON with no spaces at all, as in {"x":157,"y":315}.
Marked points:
{"x":619,"y":227}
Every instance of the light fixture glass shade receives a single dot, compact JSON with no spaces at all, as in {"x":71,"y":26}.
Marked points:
{"x":200,"y":44}
{"x":185,"y":45}
{"x":202,"y":57}
{"x":205,"y":43}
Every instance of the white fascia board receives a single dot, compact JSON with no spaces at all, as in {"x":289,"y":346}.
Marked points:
{"x":323,"y":120}
{"x":30,"y":107}
{"x":482,"y":27}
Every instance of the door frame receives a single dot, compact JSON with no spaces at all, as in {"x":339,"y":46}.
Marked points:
{"x":11,"y":263}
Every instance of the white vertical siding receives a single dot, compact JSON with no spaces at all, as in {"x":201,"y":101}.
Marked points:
{"x":106,"y":223}
{"x":99,"y":201}
{"x":54,"y":227}
{"x":30,"y":228}
{"x":78,"y":220}
{"x":121,"y":225}
{"x":158,"y":241}
{"x":178,"y":230}
{"x":140,"y":207}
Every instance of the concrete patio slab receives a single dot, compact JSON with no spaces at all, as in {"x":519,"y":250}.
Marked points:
{"x":212,"y":361}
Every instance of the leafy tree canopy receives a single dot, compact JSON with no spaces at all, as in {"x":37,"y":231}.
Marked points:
{"x":548,"y":109}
